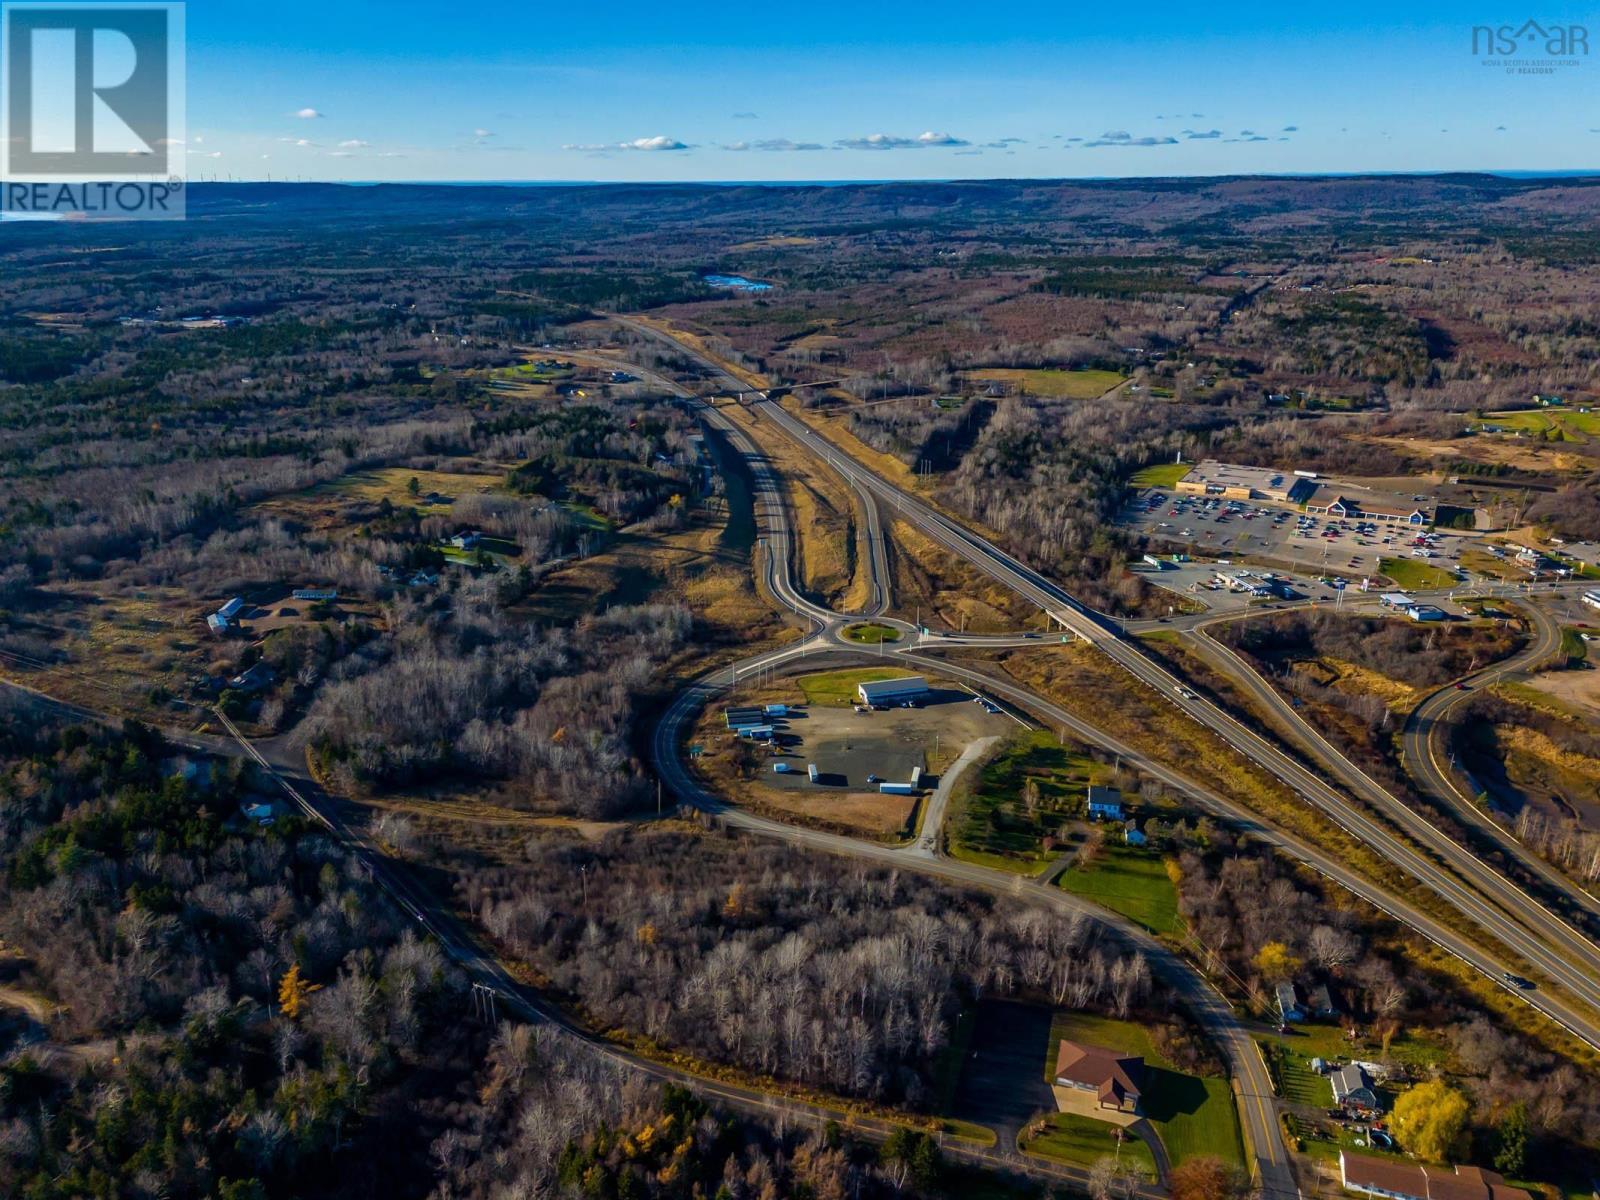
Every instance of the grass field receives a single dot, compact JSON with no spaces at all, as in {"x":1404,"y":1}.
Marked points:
{"x":991,"y":824}
{"x":1416,"y":1047}
{"x":870,"y":633}
{"x":1415,"y":574}
{"x":1552,"y":424}
{"x":838,"y":688}
{"x":1193,"y":1115}
{"x":1131,"y":881}
{"x":1053,"y":384}
{"x":1161,"y":475}
{"x":1299,"y":1083}
{"x":1071,"y":1138}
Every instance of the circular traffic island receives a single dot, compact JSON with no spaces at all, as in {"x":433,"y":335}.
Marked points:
{"x":870,"y":633}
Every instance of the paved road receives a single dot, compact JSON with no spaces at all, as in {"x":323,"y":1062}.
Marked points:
{"x":927,"y":843}
{"x":1251,"y":1083}
{"x":1426,"y":762}
{"x":1557,"y":950}
{"x":1533,"y":933}
{"x":511,"y":998}
{"x":1511,"y":931}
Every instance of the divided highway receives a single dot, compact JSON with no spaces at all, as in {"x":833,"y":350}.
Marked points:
{"x":1531,"y":932}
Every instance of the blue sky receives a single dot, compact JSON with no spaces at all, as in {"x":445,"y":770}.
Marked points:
{"x":688,"y":90}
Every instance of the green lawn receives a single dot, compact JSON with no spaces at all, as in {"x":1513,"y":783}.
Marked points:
{"x":1555,"y":424}
{"x":1085,"y":1141}
{"x":1054,"y":384}
{"x":1573,"y":648}
{"x":1415,"y":574}
{"x":1131,"y":881}
{"x":1416,"y":1047}
{"x":1300,"y":1084}
{"x":989,"y":821}
{"x":838,"y":688}
{"x":1161,"y":475}
{"x":871,"y":633}
{"x":1193,"y":1115}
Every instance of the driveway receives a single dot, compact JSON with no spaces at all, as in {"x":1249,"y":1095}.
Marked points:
{"x":927,"y":843}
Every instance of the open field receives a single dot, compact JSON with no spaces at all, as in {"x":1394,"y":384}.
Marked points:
{"x":322,"y":507}
{"x":1194,"y":1115}
{"x":1577,"y":692}
{"x":1414,"y":575}
{"x":1130,"y":880}
{"x":1161,"y":475}
{"x":838,"y":688}
{"x":1050,"y":383}
{"x":1550,"y":424}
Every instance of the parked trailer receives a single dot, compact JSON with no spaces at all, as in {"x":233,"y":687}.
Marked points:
{"x":780,"y":768}
{"x":916,"y":776}
{"x":811,"y":772}
{"x":898,"y":789}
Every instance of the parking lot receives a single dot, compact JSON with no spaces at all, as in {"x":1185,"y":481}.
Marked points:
{"x":856,"y":751}
{"x":1228,"y":587}
{"x":1322,"y":545}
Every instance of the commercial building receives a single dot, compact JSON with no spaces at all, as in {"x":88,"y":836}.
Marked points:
{"x":1231,"y":482}
{"x":1113,"y":1078}
{"x":1398,"y":601}
{"x":1592,"y":598}
{"x":1343,"y":501}
{"x":892,"y":691}
{"x":1396,"y":1179}
{"x":1425,"y":612}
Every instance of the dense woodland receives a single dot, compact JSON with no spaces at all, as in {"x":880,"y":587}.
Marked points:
{"x":847,"y":978}
{"x":179,"y":1063}
{"x":220,"y":1009}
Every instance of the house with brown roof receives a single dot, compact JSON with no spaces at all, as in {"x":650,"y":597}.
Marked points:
{"x":1397,"y":1179}
{"x":1112,"y":1078}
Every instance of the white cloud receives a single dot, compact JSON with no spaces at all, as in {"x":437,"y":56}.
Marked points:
{"x":309,"y":114}
{"x":659,"y":142}
{"x":1202,"y":135}
{"x":784,"y":144}
{"x":745,"y":116}
{"x":480,"y":134}
{"x":1121,"y":137}
{"x":354,"y":144}
{"x":889,"y":141}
